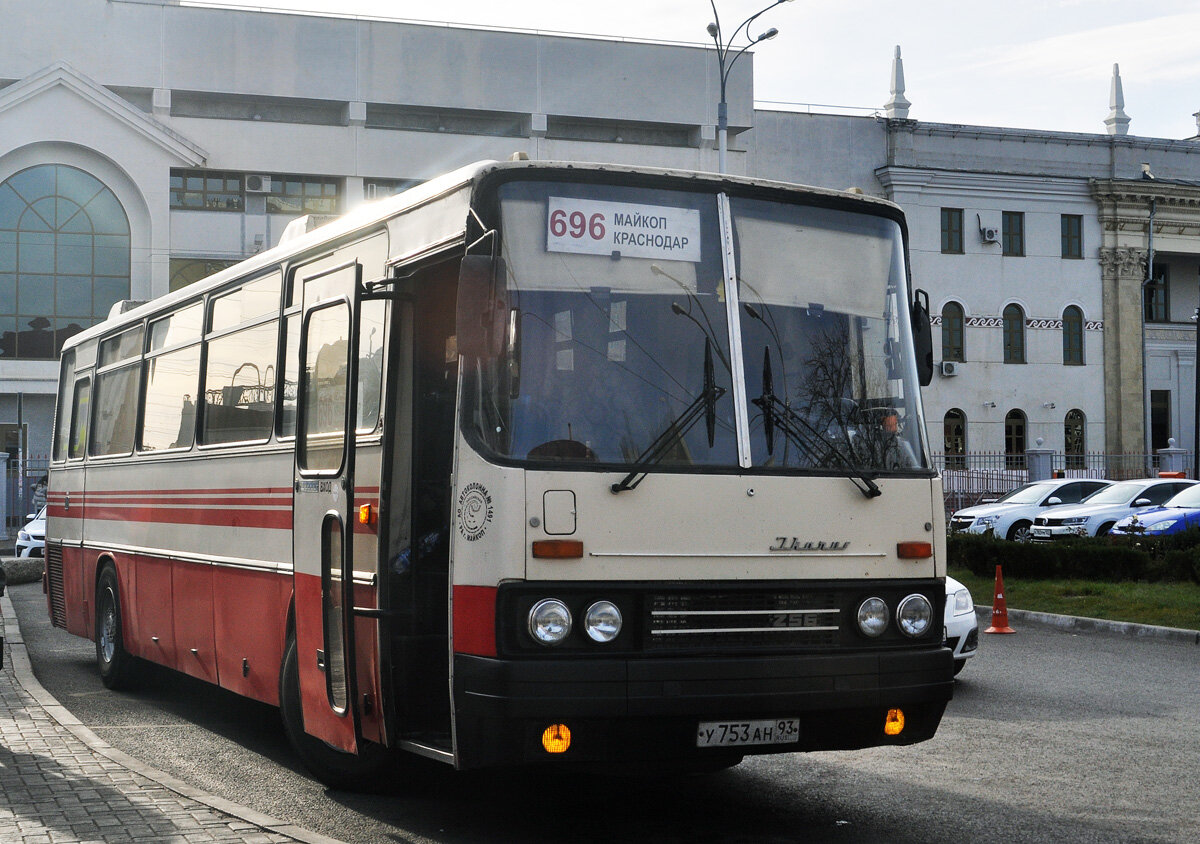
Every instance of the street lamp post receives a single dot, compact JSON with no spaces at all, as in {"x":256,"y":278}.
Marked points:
{"x":725,"y":65}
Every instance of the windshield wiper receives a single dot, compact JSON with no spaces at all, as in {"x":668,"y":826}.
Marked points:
{"x":797,"y":429}
{"x":705,"y":405}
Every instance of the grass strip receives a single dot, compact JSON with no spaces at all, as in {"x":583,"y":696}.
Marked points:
{"x":1163,"y":604}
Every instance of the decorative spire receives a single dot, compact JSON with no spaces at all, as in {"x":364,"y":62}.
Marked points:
{"x":897,"y":107}
{"x":1117,"y":120}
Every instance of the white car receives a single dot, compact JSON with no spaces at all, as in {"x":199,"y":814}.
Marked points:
{"x":1011,"y":516}
{"x":31,"y":539}
{"x":962,"y":630}
{"x":1097,"y":513}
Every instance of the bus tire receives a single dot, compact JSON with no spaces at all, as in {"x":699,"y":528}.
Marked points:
{"x":335,"y":768}
{"x":117,"y":667}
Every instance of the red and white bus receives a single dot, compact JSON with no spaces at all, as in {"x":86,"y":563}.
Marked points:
{"x":531,"y":463}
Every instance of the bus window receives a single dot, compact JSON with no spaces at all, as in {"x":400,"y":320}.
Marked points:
{"x":116,"y":410}
{"x":81,"y":406}
{"x":62,"y":422}
{"x":169,"y":412}
{"x":180,"y":327}
{"x":325,"y":365}
{"x":239,"y":386}
{"x":371,"y":345}
{"x":291,"y":375}
{"x":256,"y":299}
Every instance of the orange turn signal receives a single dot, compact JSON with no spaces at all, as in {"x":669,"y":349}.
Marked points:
{"x":893,"y":724}
{"x":914,"y":550}
{"x":558,"y":549}
{"x":366,"y":515}
{"x":556,"y":738}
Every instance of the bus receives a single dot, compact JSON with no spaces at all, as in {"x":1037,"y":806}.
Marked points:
{"x":533,"y":463}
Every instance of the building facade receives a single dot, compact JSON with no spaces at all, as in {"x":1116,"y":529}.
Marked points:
{"x":144,"y":144}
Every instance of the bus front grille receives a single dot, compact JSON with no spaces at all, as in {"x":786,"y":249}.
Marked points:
{"x":783,"y":619}
{"x":54,"y":583}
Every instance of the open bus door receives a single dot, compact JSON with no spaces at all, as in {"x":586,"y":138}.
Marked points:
{"x":323,"y":530}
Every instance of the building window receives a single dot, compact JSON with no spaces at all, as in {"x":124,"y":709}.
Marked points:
{"x":185,"y":271}
{"x":303,"y":195}
{"x":1014,"y":440}
{"x":380,"y":188}
{"x":952,"y":231}
{"x":1160,"y":419}
{"x":64,"y":258}
{"x":206,"y":190}
{"x":1072,"y":320}
{"x":1014,"y":334}
{"x":1074,"y":438}
{"x":1072,"y":236}
{"x":1013,"y":233}
{"x":954,"y":428}
{"x":952,"y":332}
{"x":1156,"y":301}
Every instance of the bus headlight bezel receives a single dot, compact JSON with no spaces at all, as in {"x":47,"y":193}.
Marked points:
{"x":873,"y":617}
{"x":914,"y":616}
{"x":602,"y":621}
{"x":550,"y":622}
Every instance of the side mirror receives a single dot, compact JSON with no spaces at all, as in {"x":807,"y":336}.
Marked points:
{"x":481,"y":311}
{"x":1052,"y":500}
{"x":922,"y":336}
{"x":1142,"y":502}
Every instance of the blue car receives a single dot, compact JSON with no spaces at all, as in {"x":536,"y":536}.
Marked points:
{"x":1175,"y":516}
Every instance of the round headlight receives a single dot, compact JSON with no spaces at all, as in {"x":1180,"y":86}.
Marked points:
{"x":549,"y":621}
{"x":872,"y":616}
{"x":914,"y":616}
{"x":602,"y":621}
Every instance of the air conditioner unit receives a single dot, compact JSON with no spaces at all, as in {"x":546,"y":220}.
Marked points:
{"x":949,"y":367}
{"x":989,"y":234}
{"x":258,"y":184}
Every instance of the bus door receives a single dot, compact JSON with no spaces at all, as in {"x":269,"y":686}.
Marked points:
{"x":323,"y":528}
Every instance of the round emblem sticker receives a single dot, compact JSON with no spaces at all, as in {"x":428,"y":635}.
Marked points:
{"x":474,"y":511}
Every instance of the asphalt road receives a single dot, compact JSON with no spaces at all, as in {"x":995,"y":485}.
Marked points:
{"x":1051,"y":736}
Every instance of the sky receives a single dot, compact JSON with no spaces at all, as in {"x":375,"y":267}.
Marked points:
{"x":1030,"y":64}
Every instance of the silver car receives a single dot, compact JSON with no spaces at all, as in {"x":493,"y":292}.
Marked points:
{"x":31,"y":539}
{"x":1096,"y":514}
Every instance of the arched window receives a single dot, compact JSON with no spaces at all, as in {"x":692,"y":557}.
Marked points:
{"x":1014,"y":334}
{"x":1074,"y":438}
{"x":1014,"y":440}
{"x":954,"y":428}
{"x":1073,"y":336}
{"x":64,"y":258}
{"x":952,"y":331}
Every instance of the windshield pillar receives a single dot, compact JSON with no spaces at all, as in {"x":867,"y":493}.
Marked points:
{"x":732,"y":308}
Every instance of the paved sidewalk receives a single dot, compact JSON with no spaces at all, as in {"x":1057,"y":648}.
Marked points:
{"x":59,"y":782}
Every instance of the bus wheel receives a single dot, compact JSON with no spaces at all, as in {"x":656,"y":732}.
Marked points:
{"x":335,"y":768}
{"x":117,"y":668}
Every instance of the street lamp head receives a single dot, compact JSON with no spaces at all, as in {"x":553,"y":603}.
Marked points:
{"x":768,"y":35}
{"x":712,"y":30}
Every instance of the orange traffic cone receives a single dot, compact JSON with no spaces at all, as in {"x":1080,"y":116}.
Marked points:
{"x":999,"y":608}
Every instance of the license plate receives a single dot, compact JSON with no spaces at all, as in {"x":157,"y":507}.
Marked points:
{"x":1040,"y":531}
{"x":733,"y":733}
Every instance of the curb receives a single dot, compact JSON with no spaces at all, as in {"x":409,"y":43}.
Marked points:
{"x":1080,"y":624}
{"x":23,"y":671}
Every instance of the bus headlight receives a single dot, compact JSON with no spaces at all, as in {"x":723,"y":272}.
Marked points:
{"x":914,"y":616}
{"x":602,"y":621}
{"x":549,"y":621}
{"x":872,"y":616}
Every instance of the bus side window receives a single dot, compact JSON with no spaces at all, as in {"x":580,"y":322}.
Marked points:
{"x":81,"y":406}
{"x":62,"y":421}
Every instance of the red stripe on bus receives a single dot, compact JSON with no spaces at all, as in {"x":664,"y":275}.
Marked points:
{"x":280,"y":519}
{"x":475,"y":620}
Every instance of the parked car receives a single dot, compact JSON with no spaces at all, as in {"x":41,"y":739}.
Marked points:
{"x":1096,"y":514}
{"x":962,"y":630}
{"x":1175,"y":516}
{"x":1011,"y":516}
{"x":31,"y":539}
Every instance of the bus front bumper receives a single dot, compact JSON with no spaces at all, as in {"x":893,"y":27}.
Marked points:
{"x":621,"y":710}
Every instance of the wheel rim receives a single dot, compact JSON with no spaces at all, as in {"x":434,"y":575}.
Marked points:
{"x":108,"y":628}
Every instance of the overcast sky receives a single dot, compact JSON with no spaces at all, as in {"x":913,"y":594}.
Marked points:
{"x":1034,"y":64}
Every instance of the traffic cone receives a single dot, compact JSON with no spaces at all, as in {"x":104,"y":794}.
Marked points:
{"x":999,"y":608}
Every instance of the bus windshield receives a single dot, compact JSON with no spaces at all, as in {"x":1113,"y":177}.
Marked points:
{"x":626,"y":348}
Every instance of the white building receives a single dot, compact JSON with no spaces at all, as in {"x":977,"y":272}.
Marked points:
{"x":144,"y":144}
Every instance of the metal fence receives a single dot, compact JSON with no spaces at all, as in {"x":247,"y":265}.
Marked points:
{"x":970,"y":479}
{"x":24,"y":491}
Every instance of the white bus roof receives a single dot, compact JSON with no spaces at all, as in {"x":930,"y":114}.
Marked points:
{"x":371,"y":214}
